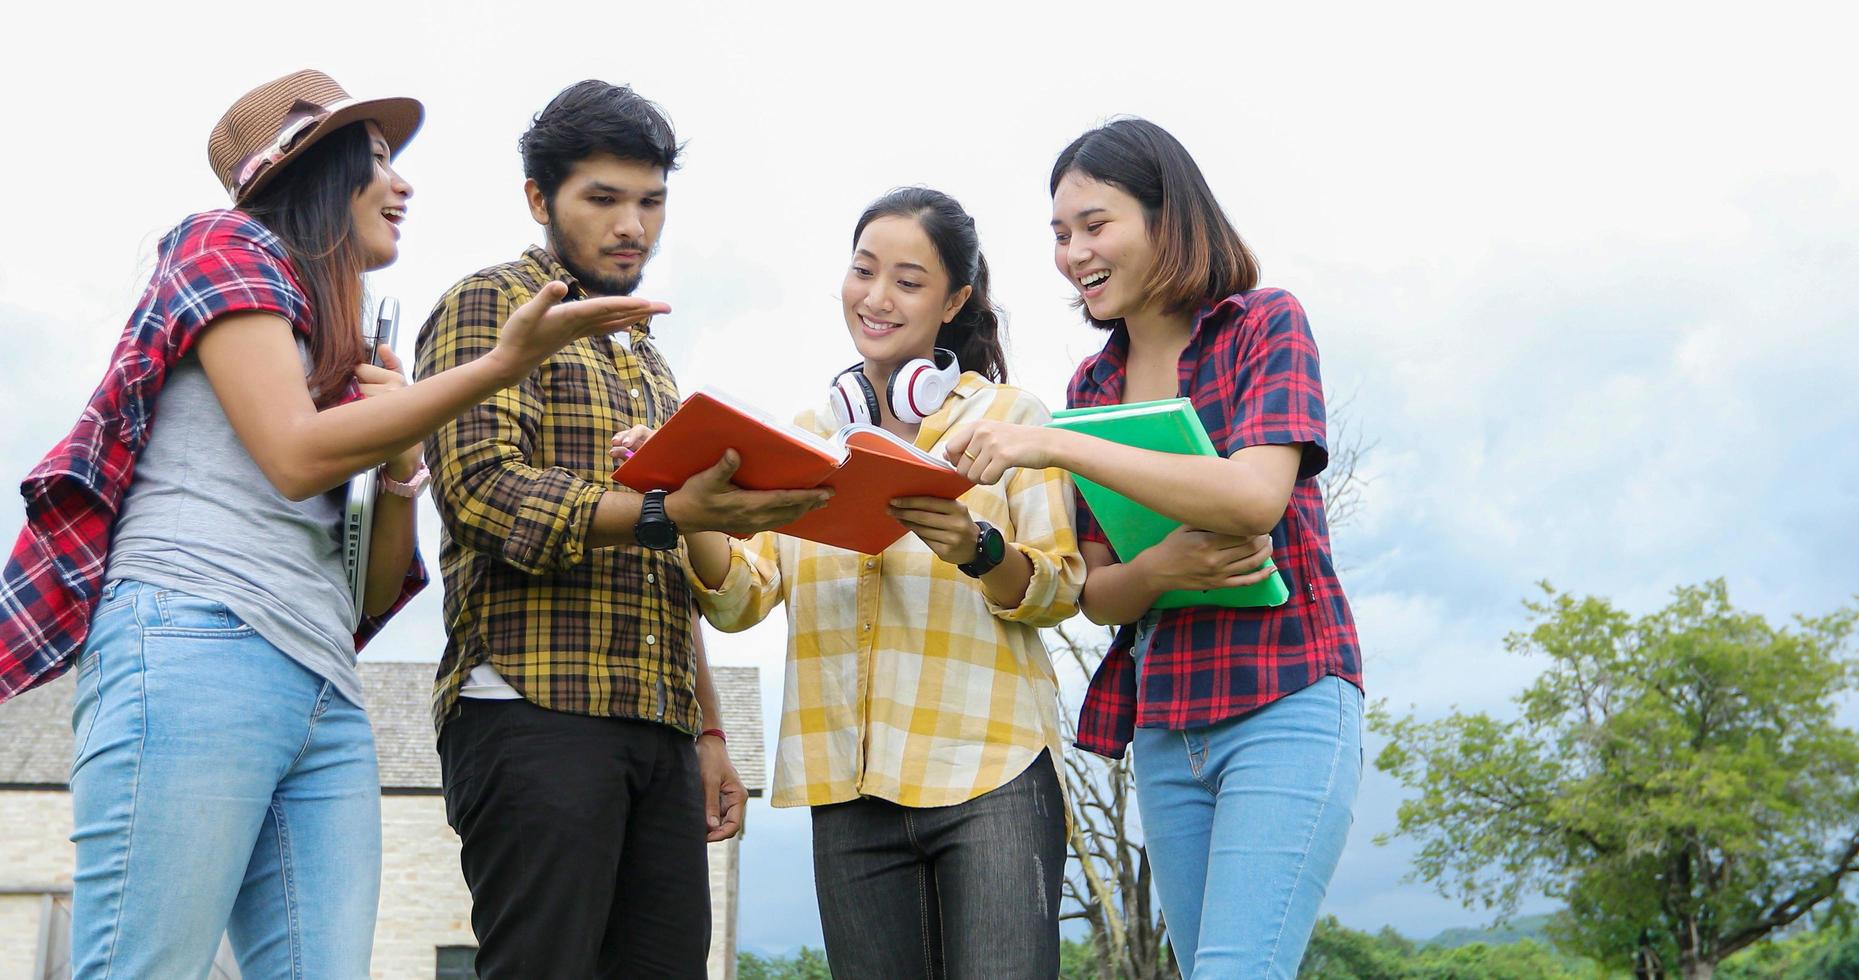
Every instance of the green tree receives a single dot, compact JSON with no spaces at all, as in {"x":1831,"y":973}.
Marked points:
{"x":1523,"y":960}
{"x":806,"y":964}
{"x":1337,"y":952}
{"x":1108,"y":882}
{"x":1679,"y":779}
{"x":1827,"y":953}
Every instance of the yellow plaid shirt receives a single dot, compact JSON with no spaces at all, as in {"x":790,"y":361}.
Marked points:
{"x":603,"y":631}
{"x":904,"y":681}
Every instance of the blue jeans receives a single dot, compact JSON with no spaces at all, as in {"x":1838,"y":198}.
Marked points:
{"x":1244,"y":823}
{"x":218,"y":787}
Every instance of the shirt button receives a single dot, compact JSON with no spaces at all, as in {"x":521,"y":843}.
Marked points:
{"x":871,"y":563}
{"x":651,"y":579}
{"x":650,"y":639}
{"x":866,"y":627}
{"x":635,"y":393}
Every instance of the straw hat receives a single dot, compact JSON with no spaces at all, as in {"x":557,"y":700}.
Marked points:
{"x":273,"y":123}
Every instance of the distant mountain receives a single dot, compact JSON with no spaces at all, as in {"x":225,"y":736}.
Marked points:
{"x":1516,"y":930}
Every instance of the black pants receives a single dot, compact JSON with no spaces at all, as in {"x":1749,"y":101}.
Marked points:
{"x":583,"y":842}
{"x":964,"y":891}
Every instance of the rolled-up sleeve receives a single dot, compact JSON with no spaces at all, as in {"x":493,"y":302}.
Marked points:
{"x":490,"y":498}
{"x":749,"y":591}
{"x":1042,"y":506}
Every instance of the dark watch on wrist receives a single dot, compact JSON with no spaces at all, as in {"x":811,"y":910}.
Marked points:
{"x":990,"y":551}
{"x":655,"y":530}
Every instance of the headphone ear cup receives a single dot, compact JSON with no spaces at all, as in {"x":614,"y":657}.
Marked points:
{"x":852,"y":399}
{"x":901,"y":398}
{"x":925,"y":385}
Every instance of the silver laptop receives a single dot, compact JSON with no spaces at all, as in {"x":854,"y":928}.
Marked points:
{"x":358,"y":516}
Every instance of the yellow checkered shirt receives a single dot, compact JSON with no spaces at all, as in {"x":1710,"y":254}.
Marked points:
{"x":904,"y":682}
{"x":589,"y":631}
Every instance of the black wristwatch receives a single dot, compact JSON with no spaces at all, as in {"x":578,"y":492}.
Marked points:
{"x":990,"y":551}
{"x":655,"y":530}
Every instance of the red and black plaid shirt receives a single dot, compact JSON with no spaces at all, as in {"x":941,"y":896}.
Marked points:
{"x":210,"y":265}
{"x":1251,"y":370}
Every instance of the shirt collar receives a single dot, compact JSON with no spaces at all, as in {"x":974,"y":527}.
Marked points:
{"x":1115,"y":356}
{"x":933,"y":427}
{"x":546,"y":267}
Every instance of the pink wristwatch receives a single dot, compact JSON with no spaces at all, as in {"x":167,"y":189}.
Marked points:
{"x":412,"y":487}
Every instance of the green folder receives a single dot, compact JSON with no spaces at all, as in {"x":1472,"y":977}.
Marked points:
{"x":1167,"y":426}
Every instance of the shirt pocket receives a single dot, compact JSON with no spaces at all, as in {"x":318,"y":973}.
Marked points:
{"x":585,"y":405}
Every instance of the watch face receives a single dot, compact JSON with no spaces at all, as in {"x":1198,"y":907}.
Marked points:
{"x":993,"y":546}
{"x":657,"y":535}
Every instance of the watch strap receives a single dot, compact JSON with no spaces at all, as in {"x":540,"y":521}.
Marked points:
{"x":413,"y":485}
{"x":982,"y":564}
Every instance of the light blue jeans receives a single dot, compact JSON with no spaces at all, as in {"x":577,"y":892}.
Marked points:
{"x":1244,"y":822}
{"x":218,"y":787}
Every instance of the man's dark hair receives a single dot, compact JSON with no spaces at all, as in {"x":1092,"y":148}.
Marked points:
{"x":595,"y":117}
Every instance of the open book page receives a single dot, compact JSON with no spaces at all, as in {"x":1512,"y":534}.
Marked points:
{"x":879,"y":468}
{"x":874,"y":439}
{"x":775,"y":455}
{"x":833,"y":447}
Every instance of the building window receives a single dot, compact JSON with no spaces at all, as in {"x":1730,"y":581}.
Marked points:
{"x":455,"y":963}
{"x":54,"y":957}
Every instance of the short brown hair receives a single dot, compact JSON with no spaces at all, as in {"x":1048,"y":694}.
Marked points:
{"x":1199,"y":257}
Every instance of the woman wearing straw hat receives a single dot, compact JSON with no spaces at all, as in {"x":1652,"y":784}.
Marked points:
{"x":184,"y":545}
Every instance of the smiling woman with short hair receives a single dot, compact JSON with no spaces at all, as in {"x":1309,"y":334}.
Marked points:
{"x":1245,"y":722}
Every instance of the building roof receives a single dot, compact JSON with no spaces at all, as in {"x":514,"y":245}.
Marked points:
{"x":35,"y":728}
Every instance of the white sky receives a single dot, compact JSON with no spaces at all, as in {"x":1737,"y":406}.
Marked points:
{"x":1588,"y":268}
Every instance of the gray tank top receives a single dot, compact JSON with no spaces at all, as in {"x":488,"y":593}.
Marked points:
{"x":200,"y":517}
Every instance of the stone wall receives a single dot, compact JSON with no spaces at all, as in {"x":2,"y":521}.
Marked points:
{"x":424,"y":902}
{"x":723,"y":908}
{"x":36,"y":854}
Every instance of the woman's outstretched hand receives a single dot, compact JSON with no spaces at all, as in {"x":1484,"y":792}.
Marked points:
{"x":545,"y":325}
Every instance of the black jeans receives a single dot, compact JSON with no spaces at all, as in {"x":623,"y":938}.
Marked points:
{"x":583,"y":842}
{"x":963,"y":891}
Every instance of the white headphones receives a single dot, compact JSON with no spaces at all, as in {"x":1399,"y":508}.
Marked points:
{"x":916,"y":390}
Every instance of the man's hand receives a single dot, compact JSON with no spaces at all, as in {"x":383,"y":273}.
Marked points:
{"x":708,"y":501}
{"x":1190,"y":559}
{"x":625,"y":444}
{"x":724,"y":795}
{"x":944,"y":526}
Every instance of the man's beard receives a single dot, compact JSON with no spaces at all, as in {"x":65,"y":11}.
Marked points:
{"x":594,"y":282}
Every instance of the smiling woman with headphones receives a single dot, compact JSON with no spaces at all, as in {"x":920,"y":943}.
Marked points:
{"x":921,"y":709}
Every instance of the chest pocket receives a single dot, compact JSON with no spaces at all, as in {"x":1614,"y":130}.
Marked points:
{"x":584,"y":404}
{"x":660,"y":398}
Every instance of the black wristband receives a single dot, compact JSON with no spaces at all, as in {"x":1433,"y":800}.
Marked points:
{"x":990,"y":551}
{"x":655,"y":529}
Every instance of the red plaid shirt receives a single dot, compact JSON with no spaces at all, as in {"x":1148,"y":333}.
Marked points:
{"x":210,"y":265}
{"x":1251,"y":370}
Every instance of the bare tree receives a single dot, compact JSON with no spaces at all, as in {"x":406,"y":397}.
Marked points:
{"x":1108,"y":883}
{"x":1343,"y":481}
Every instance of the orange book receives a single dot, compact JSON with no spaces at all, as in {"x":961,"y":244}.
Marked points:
{"x":865,"y":466}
